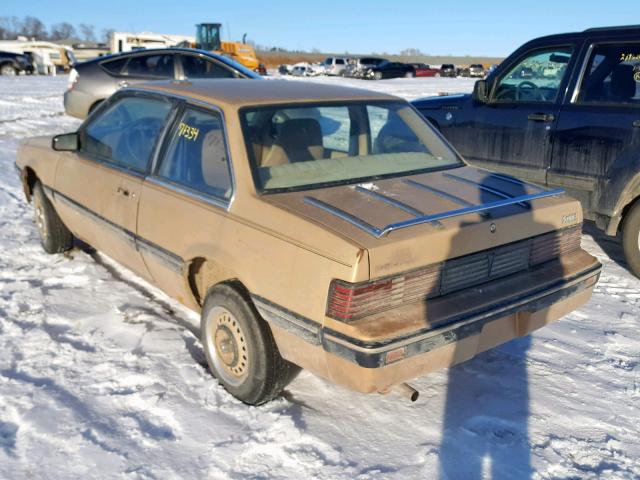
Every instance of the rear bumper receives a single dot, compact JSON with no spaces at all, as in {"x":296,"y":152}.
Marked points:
{"x":521,"y":304}
{"x":374,"y":354}
{"x":77,"y":103}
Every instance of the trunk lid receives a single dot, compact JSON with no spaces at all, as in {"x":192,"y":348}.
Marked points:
{"x":363,"y":213}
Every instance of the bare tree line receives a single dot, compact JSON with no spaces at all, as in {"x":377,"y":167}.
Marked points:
{"x":32,"y":27}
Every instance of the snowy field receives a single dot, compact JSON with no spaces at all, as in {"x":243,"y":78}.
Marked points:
{"x":102,"y":376}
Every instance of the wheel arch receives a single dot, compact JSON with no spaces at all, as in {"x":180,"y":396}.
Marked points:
{"x":29,"y":179}
{"x":204,"y":274}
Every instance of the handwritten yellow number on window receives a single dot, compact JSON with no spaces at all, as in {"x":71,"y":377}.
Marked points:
{"x":188,"y":132}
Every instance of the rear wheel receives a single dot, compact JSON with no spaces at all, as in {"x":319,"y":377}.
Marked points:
{"x":377,"y":75}
{"x":240,"y":348}
{"x":7,"y":69}
{"x":55,"y":237}
{"x":631,"y":238}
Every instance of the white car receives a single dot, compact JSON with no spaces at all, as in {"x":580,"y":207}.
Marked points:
{"x":334,"y":65}
{"x":306,"y":70}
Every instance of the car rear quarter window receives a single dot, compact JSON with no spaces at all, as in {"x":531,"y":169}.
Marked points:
{"x":199,"y":67}
{"x":612,"y":75}
{"x":114,"y":66}
{"x":126,"y":132}
{"x":159,"y":66}
{"x":196,"y":157}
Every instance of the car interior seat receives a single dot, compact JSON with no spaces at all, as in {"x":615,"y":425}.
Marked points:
{"x":623,"y":86}
{"x":298,"y":140}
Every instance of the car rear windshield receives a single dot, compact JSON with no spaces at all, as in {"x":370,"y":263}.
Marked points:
{"x":309,"y":146}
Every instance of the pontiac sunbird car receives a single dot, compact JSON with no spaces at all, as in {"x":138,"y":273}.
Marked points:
{"x":312,"y":226}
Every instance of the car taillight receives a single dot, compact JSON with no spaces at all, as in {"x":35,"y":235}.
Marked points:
{"x":348,"y":302}
{"x":74,"y":76}
{"x":352,"y":301}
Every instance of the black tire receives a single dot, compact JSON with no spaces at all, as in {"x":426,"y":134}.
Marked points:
{"x":55,"y":237}
{"x":8,"y":69}
{"x":249,"y":365}
{"x":631,"y":238}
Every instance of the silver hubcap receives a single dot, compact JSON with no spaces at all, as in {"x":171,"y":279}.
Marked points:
{"x":40,"y":221}
{"x":227,"y":346}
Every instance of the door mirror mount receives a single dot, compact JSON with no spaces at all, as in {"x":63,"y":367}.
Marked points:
{"x":66,"y":142}
{"x":480,"y":94}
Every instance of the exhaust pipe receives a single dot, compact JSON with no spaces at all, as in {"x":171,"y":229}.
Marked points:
{"x":405,"y":390}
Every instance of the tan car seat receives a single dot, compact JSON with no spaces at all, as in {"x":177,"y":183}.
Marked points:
{"x":299,"y":140}
{"x":215,"y":169}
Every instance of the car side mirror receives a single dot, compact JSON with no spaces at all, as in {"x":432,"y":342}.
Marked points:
{"x":480,"y":92}
{"x":67,"y":142}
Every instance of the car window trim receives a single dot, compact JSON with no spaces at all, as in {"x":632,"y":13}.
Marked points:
{"x":99,"y":159}
{"x":163,"y":145}
{"x":583,"y":73}
{"x":575,"y":47}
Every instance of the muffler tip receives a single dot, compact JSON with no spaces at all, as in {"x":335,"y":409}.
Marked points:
{"x":406,"y":391}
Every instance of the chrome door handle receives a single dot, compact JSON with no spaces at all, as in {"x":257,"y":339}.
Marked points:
{"x":542,"y":117}
{"x":123,"y":84}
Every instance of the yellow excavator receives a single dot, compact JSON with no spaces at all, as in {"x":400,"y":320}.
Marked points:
{"x":208,"y":37}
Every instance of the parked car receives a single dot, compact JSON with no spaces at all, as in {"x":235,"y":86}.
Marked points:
{"x":575,"y":125}
{"x":14,"y":63}
{"x":334,"y":65}
{"x":368,"y":259}
{"x":93,"y":81}
{"x":285,"y":69}
{"x":448,"y":70}
{"x":476,"y":70}
{"x":424,"y":70}
{"x":358,"y":66}
{"x":304,"y":69}
{"x":389,"y":70}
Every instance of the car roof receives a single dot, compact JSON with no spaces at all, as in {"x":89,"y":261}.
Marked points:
{"x":144,"y":51}
{"x":245,"y":92}
{"x":591,"y":32}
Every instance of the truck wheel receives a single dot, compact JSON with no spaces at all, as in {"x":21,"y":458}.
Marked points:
{"x":240,"y":348}
{"x":377,"y":75}
{"x":7,"y":69}
{"x":409,"y":75}
{"x":631,"y":238}
{"x":55,"y":237}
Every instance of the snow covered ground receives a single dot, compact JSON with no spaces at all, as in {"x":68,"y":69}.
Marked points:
{"x":102,"y":376}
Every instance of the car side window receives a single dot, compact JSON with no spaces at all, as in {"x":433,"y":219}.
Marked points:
{"x":198,"y":67}
{"x":196,"y":157}
{"x":126,"y":132}
{"x":612,"y":75}
{"x":536,"y":78}
{"x":114,"y":66}
{"x":150,"y":66}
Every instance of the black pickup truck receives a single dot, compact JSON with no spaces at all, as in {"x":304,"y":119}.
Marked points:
{"x":562,"y":111}
{"x":13,"y":63}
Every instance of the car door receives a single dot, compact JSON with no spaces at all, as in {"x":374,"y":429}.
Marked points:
{"x":98,"y":187}
{"x":184,"y":202}
{"x":511,"y":132}
{"x":597,"y":139}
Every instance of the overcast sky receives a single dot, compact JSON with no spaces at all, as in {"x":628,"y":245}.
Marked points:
{"x":458,"y":27}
